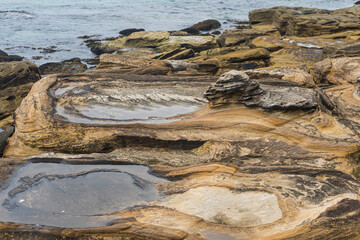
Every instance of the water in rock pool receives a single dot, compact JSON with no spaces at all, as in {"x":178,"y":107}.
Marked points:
{"x":65,"y":195}
{"x":27,"y":27}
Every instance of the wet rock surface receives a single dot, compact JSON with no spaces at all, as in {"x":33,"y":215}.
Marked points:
{"x":68,"y":66}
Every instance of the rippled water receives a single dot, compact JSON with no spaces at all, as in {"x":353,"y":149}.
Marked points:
{"x":27,"y":25}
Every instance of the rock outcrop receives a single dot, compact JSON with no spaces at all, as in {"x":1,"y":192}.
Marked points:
{"x":4,"y":57}
{"x":68,"y":66}
{"x":16,"y":80}
{"x":306,"y":22}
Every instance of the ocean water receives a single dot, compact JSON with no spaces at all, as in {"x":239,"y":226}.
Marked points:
{"x":29,"y":26}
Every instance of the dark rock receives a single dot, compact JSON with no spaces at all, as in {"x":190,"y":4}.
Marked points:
{"x":88,"y":36}
{"x":342,"y":50}
{"x":17,"y":73}
{"x":216,"y":33}
{"x":10,"y":58}
{"x":68,"y":66}
{"x":207,"y":25}
{"x":127,"y":32}
{"x":16,"y":80}
{"x":237,"y":87}
{"x":98,"y":48}
{"x":233,"y":86}
{"x":2,"y":53}
{"x":92,"y":61}
{"x":192,"y":31}
{"x":4,"y":57}
{"x":5,"y":133}
{"x":177,"y":54}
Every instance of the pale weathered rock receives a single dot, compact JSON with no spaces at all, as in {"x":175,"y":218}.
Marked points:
{"x":338,"y":70}
{"x":342,"y":50}
{"x":237,"y":87}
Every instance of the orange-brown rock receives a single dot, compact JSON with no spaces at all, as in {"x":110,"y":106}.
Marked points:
{"x":16,"y":79}
{"x":338,"y":71}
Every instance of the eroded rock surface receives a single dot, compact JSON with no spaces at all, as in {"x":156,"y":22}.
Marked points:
{"x":250,"y":202}
{"x":16,"y":80}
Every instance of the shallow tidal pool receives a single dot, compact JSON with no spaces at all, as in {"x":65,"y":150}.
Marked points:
{"x":75,"y":196}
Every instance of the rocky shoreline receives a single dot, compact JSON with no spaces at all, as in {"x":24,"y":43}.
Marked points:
{"x":254,"y":133}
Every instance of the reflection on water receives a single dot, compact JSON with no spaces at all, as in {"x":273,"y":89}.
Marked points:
{"x":72,"y":195}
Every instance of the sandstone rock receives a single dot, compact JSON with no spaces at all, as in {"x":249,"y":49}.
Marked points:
{"x":197,"y":43}
{"x":338,"y":70}
{"x":245,"y":59}
{"x":131,"y":64}
{"x":342,"y":50}
{"x":237,"y":87}
{"x":288,"y":200}
{"x":16,"y":79}
{"x":68,"y":66}
{"x":313,"y":22}
{"x":260,"y":42}
{"x":299,"y":75}
{"x":262,"y":16}
{"x":306,"y":21}
{"x":177,"y":54}
{"x":233,"y":84}
{"x":232,"y":37}
{"x":127,"y":32}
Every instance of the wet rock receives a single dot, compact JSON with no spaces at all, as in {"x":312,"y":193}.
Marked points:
{"x":4,"y":57}
{"x":288,"y":200}
{"x":68,"y":66}
{"x":191,"y":31}
{"x":5,"y":133}
{"x":16,"y":80}
{"x":98,"y":48}
{"x":146,"y":39}
{"x":129,"y":31}
{"x":207,"y":25}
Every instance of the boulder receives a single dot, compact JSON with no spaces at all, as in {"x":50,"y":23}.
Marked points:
{"x":4,"y":57}
{"x":129,"y":31}
{"x":232,"y":37}
{"x":338,"y":71}
{"x":73,"y":65}
{"x":5,"y":133}
{"x":207,"y":25}
{"x":16,"y":80}
{"x":237,"y":87}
